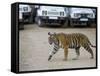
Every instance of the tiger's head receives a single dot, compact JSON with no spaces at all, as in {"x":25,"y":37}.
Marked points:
{"x":52,"y":38}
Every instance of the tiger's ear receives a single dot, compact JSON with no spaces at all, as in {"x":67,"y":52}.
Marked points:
{"x":49,"y":33}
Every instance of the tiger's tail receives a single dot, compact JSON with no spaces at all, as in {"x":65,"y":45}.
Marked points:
{"x":92,"y":45}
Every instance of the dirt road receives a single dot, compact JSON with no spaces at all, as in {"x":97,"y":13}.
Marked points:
{"x":34,"y":49}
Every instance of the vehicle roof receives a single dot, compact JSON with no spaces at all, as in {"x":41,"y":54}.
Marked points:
{"x":81,"y":10}
{"x":23,"y":5}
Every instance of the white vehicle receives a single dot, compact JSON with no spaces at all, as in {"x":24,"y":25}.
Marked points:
{"x":81,"y":16}
{"x":24,"y":13}
{"x":51,"y":15}
{"x":94,"y":10}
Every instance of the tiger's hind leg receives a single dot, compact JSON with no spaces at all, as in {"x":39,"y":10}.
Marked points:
{"x":89,"y":50}
{"x":77,"y":53}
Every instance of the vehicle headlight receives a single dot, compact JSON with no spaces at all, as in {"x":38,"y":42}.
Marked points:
{"x":25,"y":9}
{"x":61,"y":13}
{"x":90,"y":15}
{"x":44,"y":12}
{"x":77,"y":15}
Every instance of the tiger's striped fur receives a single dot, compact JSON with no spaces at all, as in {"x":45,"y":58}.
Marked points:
{"x":65,"y":41}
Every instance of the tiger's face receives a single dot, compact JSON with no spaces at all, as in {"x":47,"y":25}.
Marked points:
{"x":52,"y":39}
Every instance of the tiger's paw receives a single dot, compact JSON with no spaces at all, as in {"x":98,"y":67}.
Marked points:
{"x":75,"y":59}
{"x":64,"y":59}
{"x":92,"y":57}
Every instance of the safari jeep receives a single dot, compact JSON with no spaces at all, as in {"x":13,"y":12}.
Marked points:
{"x":24,"y":13}
{"x":81,"y":16}
{"x":51,"y":15}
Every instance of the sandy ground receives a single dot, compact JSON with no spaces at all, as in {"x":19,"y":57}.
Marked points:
{"x":34,"y":49}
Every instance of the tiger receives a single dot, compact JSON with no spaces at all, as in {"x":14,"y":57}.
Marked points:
{"x":72,"y":40}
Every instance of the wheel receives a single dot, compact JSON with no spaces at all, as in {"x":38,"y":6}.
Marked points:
{"x":93,"y":25}
{"x":21,"y":27}
{"x":40,"y":23}
{"x":71,"y":23}
{"x":65,"y":24}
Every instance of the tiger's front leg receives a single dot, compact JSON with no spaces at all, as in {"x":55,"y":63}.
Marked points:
{"x":65,"y":54}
